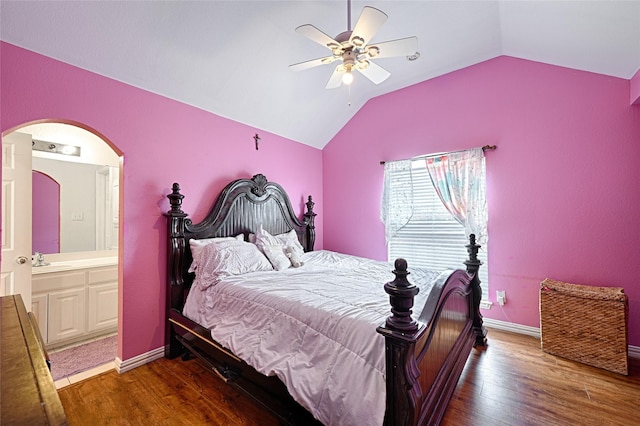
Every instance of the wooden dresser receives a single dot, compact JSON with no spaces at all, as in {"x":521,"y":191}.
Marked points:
{"x":27,"y":393}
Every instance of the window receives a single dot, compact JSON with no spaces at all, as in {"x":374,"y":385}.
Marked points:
{"x":432,"y":238}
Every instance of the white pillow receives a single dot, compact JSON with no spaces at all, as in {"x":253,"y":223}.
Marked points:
{"x":288,"y":240}
{"x":277,"y":256}
{"x":197,"y":246}
{"x":263,"y":238}
{"x":293,"y":257}
{"x":231,"y":257}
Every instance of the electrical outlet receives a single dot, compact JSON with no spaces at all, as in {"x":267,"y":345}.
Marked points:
{"x":501,"y":297}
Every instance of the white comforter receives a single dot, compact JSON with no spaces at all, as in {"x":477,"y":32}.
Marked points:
{"x":314,"y":327}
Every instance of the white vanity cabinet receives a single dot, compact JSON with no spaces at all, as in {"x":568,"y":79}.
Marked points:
{"x":75,"y":304}
{"x":102,"y":299}
{"x":66,"y":317}
{"x":40,"y":307}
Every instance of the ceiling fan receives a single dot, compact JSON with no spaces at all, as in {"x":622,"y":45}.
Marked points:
{"x":354,"y":50}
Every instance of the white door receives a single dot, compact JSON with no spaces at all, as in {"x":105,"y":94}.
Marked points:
{"x":15,"y":275}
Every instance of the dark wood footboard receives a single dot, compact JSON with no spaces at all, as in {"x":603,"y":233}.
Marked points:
{"x":425,"y":358}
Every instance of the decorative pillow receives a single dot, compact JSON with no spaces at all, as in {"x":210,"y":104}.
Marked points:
{"x":263,"y":238}
{"x":277,"y":256}
{"x":286,"y":240}
{"x":290,"y":239}
{"x":197,"y":246}
{"x":293,"y":257}
{"x":231,"y":257}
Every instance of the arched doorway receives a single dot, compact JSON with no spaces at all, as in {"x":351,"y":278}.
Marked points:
{"x":88,"y":212}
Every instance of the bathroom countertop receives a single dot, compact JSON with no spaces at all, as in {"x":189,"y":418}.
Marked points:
{"x":68,"y":265}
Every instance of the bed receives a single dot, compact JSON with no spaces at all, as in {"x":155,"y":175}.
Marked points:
{"x":414,"y":363}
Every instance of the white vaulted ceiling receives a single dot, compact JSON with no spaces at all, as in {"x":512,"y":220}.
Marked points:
{"x":231,"y":57}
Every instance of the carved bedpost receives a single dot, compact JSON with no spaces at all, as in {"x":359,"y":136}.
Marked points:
{"x":176,"y":250}
{"x":401,"y":293}
{"x":473,"y":265}
{"x":309,"y":219}
{"x":400,"y":332}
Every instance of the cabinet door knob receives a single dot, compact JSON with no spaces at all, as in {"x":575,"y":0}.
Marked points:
{"x":21,"y":260}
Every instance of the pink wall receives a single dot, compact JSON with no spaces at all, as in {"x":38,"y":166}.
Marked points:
{"x":152,"y":131}
{"x":45,"y":220}
{"x":562,"y":185}
{"x":635,"y":89}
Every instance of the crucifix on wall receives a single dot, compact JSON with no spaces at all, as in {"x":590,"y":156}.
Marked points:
{"x":257,"y":139}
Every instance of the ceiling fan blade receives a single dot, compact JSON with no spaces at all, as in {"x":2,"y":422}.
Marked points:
{"x":316,"y":35}
{"x":374,"y":72}
{"x":312,"y":63}
{"x":400,"y":47}
{"x":335,"y":80}
{"x":369,"y":22}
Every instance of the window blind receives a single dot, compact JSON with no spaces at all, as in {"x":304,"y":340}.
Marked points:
{"x":433,"y":238}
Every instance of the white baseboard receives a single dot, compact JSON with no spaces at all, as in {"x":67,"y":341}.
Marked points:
{"x":633,"y":351}
{"x":131,"y":363}
{"x":514,"y":328}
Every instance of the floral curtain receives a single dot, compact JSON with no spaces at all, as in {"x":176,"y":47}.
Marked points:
{"x":459,"y":180}
{"x":396,"y":208}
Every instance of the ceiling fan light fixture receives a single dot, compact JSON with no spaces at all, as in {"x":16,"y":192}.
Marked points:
{"x":351,"y":48}
{"x":373,"y":51}
{"x":347,"y":77}
{"x":363,"y":65}
{"x":357,"y":41}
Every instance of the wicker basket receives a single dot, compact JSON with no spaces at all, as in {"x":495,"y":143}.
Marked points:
{"x":585,"y":324}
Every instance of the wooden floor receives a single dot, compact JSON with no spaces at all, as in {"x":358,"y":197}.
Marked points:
{"x":511,"y":382}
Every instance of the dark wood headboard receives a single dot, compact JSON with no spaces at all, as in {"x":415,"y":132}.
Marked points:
{"x":241,"y":207}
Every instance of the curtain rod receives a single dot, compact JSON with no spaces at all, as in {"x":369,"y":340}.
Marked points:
{"x":484,"y":148}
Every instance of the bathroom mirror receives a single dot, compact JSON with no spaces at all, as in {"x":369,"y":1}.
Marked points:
{"x":81,"y":215}
{"x":45,"y":219}
{"x":74,"y":197}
